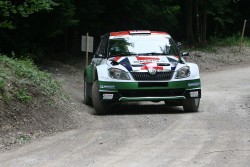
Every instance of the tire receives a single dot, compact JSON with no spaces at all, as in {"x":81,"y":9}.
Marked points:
{"x":100,"y":106}
{"x":86,"y":98}
{"x":191,"y":105}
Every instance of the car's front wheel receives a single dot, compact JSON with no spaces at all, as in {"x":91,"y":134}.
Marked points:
{"x":101,"y":107}
{"x":191,"y":105}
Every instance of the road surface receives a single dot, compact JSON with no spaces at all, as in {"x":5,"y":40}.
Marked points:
{"x":153,"y":135}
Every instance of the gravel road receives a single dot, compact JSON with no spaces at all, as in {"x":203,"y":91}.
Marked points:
{"x":153,"y":135}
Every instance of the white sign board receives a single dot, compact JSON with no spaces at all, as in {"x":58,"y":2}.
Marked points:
{"x":89,"y":44}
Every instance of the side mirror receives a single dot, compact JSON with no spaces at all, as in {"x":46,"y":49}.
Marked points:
{"x":98,"y":56}
{"x":185,"y":54}
{"x":179,"y":45}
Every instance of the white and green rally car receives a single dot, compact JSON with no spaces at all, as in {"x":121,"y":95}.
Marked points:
{"x":141,"y":66}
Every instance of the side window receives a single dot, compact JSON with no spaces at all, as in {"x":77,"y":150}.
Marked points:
{"x":98,"y":48}
{"x":175,"y":50}
{"x":102,"y":48}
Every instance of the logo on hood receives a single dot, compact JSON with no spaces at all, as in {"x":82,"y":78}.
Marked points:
{"x":152,"y":71}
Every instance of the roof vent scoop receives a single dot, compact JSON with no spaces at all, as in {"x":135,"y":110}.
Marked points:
{"x":135,"y":32}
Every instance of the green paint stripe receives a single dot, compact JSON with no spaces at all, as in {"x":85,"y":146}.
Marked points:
{"x":134,"y":85}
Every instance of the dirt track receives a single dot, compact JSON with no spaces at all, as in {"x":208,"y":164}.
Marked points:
{"x":151,"y":134}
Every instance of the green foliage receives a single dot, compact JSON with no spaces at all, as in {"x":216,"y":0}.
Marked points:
{"x":61,"y":18}
{"x":232,"y":40}
{"x":4,"y":75}
{"x":222,"y":12}
{"x":6,"y":97}
{"x":23,"y":95}
{"x":20,"y":78}
{"x":9,"y":9}
{"x":23,"y":138}
{"x":227,"y":41}
{"x":2,"y":83}
{"x":215,"y":42}
{"x":247,"y":41}
{"x":142,"y":14}
{"x":89,"y":13}
{"x":7,"y":24}
{"x":49,"y":27}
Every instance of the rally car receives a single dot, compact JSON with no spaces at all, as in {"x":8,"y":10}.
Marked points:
{"x":141,"y":66}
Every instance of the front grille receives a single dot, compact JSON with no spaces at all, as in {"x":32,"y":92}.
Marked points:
{"x":145,"y":76}
{"x":152,"y":93}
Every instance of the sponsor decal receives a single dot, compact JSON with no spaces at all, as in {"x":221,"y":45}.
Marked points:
{"x":140,"y":63}
{"x":194,"y":84}
{"x":107,"y":96}
{"x":173,"y":60}
{"x":173,"y":68}
{"x":125,"y":62}
{"x":194,"y":94}
{"x":147,"y":61}
{"x":116,"y":58}
{"x":147,"y":58}
{"x":107,"y":86}
{"x":149,"y":66}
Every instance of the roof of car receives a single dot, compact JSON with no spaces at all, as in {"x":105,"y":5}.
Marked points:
{"x":134,"y":32}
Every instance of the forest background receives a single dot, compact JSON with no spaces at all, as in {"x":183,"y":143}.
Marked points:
{"x":53,"y":28}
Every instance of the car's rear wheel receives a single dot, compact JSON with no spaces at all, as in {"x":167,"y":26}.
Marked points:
{"x":87,"y":99}
{"x":101,"y":107}
{"x":191,"y":105}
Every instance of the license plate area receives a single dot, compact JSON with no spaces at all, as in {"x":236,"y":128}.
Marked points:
{"x":152,"y":84}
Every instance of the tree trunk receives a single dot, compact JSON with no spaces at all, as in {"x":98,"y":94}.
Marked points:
{"x":204,"y":24}
{"x":197,"y":14}
{"x":189,"y":23}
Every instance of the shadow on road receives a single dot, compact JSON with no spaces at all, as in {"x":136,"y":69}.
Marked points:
{"x":140,"y":108}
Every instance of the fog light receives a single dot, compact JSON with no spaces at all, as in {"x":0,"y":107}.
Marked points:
{"x":107,"y":96}
{"x":194,"y":94}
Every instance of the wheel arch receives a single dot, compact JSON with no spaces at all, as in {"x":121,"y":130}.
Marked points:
{"x":90,"y":74}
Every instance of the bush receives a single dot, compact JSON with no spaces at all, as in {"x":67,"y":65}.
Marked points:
{"x":20,"y":78}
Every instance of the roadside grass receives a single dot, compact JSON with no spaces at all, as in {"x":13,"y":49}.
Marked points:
{"x":21,"y":79}
{"x":233,"y":40}
{"x":214,"y":42}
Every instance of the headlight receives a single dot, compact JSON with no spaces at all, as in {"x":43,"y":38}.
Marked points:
{"x":183,"y":72}
{"x":118,"y":74}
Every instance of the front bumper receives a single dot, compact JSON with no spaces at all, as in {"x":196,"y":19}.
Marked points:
{"x":149,"y":91}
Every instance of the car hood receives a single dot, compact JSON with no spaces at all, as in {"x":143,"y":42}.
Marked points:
{"x":145,"y":63}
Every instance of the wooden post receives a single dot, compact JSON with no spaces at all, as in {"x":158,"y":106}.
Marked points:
{"x":87,"y":49}
{"x":242,"y":34}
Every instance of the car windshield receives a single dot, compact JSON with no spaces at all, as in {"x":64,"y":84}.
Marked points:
{"x":141,"y":45}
